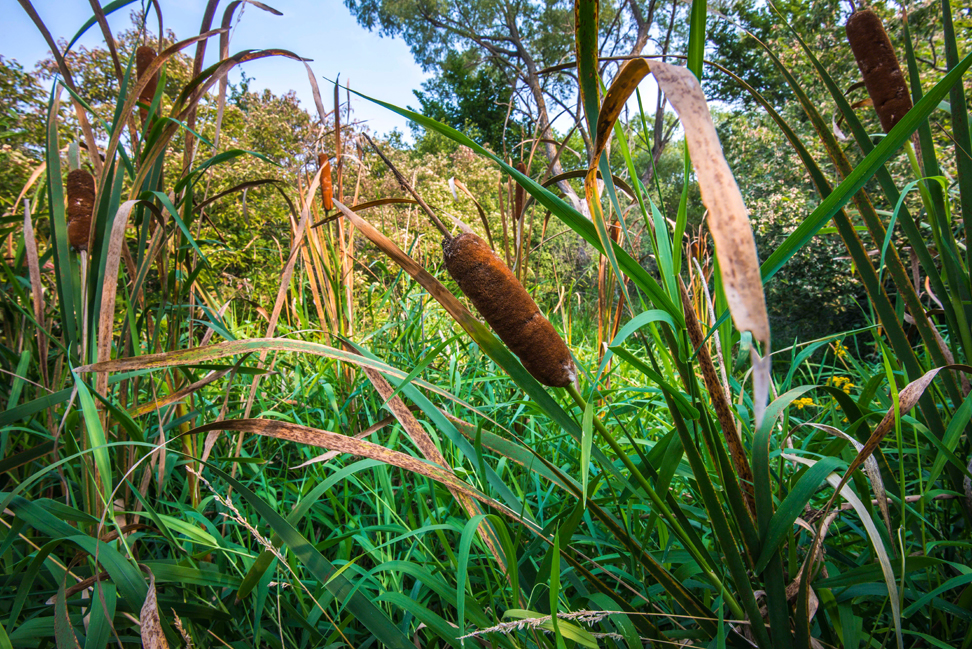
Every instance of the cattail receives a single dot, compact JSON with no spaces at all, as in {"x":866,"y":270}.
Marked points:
{"x":518,"y":193}
{"x":879,"y":66}
{"x":144,"y":57}
{"x":80,"y":205}
{"x":503,"y":303}
{"x":327,"y":190}
{"x":499,"y":298}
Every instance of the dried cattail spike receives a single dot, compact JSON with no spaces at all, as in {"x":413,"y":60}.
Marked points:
{"x":327,"y":189}
{"x":506,"y":306}
{"x":518,"y":193}
{"x":144,"y":57}
{"x":879,"y":66}
{"x":80,"y":205}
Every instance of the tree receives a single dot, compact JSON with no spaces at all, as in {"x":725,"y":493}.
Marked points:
{"x":469,"y":95}
{"x":21,"y":128}
{"x":521,"y":38}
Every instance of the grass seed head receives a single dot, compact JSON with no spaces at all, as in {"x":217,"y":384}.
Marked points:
{"x":875,"y":56}
{"x":144,"y":56}
{"x":506,"y":306}
{"x":81,"y":199}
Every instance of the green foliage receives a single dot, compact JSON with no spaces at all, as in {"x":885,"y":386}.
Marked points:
{"x":481,"y":499}
{"x":21,"y":127}
{"x":470,"y":96}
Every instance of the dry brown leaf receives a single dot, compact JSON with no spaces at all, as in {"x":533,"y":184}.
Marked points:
{"x":109,"y":289}
{"x":36,"y":290}
{"x":344,"y":444}
{"x":330,"y":455}
{"x":907,"y":399}
{"x":728,"y":218}
{"x":872,"y":470}
{"x":428,"y":448}
{"x":149,"y":621}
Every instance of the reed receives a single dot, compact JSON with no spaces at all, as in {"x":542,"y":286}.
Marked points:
{"x":878,"y":64}
{"x":80,"y":204}
{"x":144,"y":57}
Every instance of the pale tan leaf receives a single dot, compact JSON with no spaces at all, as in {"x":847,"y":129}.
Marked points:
{"x":728,"y":218}
{"x":36,"y":290}
{"x":872,"y":532}
{"x":872,"y":470}
{"x":149,"y":621}
{"x":109,"y":288}
{"x":428,"y":448}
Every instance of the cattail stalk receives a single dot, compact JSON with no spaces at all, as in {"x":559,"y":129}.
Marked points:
{"x":500,"y":299}
{"x":878,"y":64}
{"x":80,"y":205}
{"x":327,"y":188}
{"x":144,"y":57}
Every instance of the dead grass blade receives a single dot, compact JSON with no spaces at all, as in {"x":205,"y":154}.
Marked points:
{"x":109,"y":289}
{"x":428,"y":448}
{"x":149,"y":622}
{"x":344,"y":444}
{"x":109,"y":40}
{"x":36,"y":290}
{"x":728,"y":218}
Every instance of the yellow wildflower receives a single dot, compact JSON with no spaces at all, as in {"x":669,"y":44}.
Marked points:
{"x":801,"y":403}
{"x":839,"y":350}
{"x":842,"y":382}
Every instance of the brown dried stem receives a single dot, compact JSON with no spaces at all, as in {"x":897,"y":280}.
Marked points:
{"x":408,"y":187}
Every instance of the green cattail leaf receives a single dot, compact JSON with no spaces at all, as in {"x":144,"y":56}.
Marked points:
{"x":587,"y":438}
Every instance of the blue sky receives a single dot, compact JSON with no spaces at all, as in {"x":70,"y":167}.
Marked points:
{"x":323,"y":30}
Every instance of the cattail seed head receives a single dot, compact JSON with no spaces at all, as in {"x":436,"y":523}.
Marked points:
{"x":518,"y":193}
{"x":327,"y":189}
{"x":878,"y":64}
{"x":506,"y":306}
{"x":144,"y":57}
{"x":80,"y":205}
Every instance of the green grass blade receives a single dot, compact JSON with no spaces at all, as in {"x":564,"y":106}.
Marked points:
{"x":360,"y":606}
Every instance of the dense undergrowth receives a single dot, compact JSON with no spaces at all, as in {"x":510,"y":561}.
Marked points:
{"x":363,"y":463}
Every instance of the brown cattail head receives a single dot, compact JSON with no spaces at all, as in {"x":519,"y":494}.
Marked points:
{"x":506,"y":306}
{"x":875,"y":56}
{"x":144,"y":56}
{"x":327,"y":189}
{"x":518,"y":193}
{"x":80,"y":205}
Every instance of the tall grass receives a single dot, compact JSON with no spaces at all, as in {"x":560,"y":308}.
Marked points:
{"x":171,"y":478}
